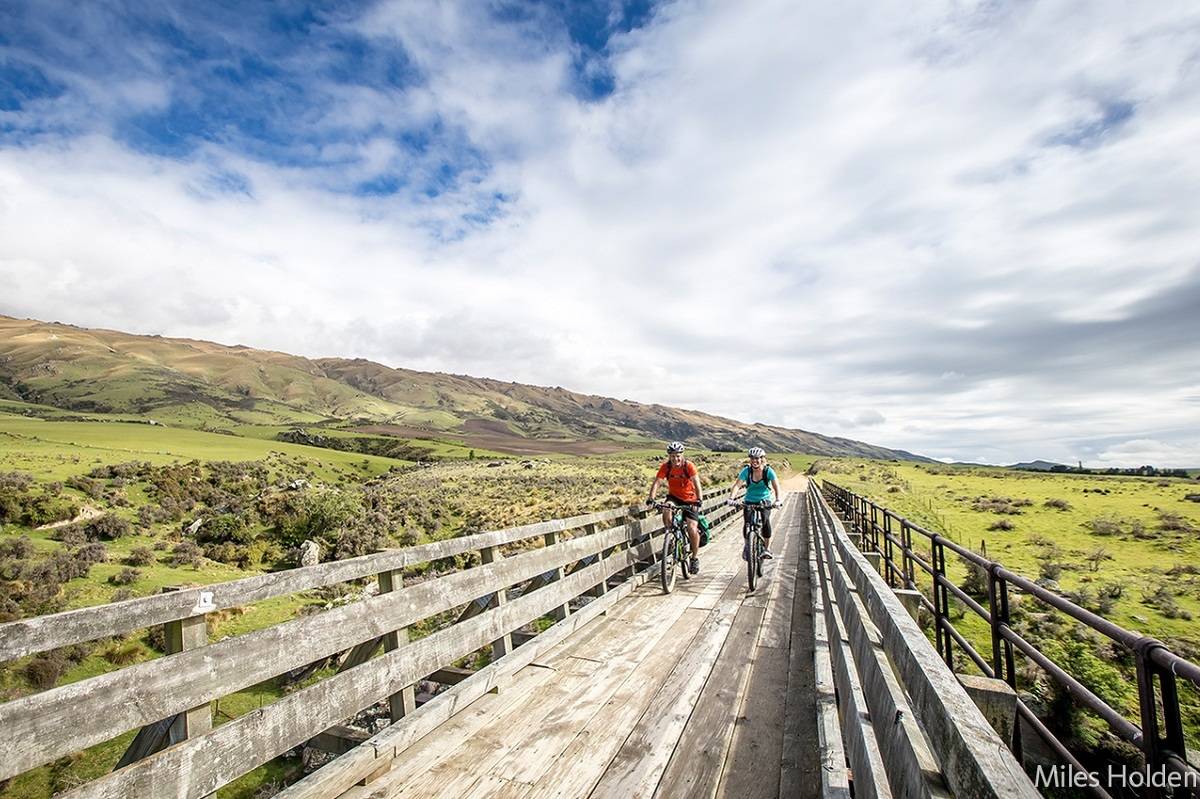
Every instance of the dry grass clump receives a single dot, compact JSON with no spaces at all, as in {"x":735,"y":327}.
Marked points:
{"x":1003,"y":505}
{"x":1002,"y":524}
{"x":1057,"y":504}
{"x":1104,"y":525}
{"x":1175,"y":523}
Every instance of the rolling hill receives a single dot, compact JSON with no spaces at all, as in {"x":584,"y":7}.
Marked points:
{"x":204,"y":385}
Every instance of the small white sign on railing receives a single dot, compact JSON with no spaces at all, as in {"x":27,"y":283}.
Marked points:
{"x":205,"y":603}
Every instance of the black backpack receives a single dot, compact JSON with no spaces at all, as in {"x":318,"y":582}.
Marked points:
{"x":750,"y":475}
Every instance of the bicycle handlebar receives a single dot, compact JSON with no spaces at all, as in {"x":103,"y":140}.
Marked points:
{"x":741,"y":503}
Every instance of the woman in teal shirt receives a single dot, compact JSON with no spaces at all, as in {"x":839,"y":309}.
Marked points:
{"x":759,"y":480}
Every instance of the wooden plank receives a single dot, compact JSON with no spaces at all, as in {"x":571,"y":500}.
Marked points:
{"x":481,"y":757}
{"x":582,"y":762}
{"x":551,"y":720}
{"x":697,"y":763}
{"x":576,"y":771}
{"x":41,"y":633}
{"x":199,"y":766}
{"x":640,"y":762}
{"x":619,"y":655}
{"x":812,"y":694}
{"x":32,"y":728}
{"x":858,"y":733}
{"x":426,"y":752}
{"x":754,"y":760}
{"x":450,"y":675}
{"x":912,"y":768}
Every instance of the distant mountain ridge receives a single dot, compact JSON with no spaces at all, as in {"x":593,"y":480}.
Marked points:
{"x":1038,"y":466}
{"x":202,"y":384}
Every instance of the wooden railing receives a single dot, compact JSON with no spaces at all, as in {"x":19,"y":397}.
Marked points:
{"x":887,"y":704}
{"x":559,"y":562}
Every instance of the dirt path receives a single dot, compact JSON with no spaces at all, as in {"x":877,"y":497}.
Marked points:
{"x":797,"y":483}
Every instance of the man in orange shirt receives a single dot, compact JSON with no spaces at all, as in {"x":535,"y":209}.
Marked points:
{"x":683,"y":488}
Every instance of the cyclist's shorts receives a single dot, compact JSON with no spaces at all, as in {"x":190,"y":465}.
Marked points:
{"x":691,"y":510}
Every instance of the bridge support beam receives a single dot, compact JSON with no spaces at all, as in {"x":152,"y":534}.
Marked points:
{"x":911,"y":600}
{"x":502,"y":645}
{"x":561,"y":612}
{"x":996,"y":700}
{"x":405,"y":701}
{"x":189,"y":633}
{"x":874,"y":558}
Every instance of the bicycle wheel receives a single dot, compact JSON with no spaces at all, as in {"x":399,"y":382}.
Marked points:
{"x":668,"y":561}
{"x":759,"y":548}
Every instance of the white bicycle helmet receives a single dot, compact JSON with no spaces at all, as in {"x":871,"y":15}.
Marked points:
{"x":674,"y":447}
{"x":757,"y":452}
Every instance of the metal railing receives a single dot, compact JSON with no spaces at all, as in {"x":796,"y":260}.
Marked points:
{"x":1160,"y":736}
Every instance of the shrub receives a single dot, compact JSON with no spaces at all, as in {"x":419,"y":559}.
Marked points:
{"x":1049,"y":569}
{"x":1163,"y":600}
{"x":1098,"y":556}
{"x":1174,"y":522}
{"x":88,"y":485}
{"x":975,"y":583}
{"x":71,"y":535}
{"x":1057,"y":504}
{"x":125,"y":576}
{"x":318,"y":515}
{"x":108,"y":527}
{"x":1002,"y":524}
{"x":1105,"y":525}
{"x":17,"y":548}
{"x":224,"y":528}
{"x":91,"y":554}
{"x":186,"y":553}
{"x":44,"y":670}
{"x":998,"y":505}
{"x":234,"y":554}
{"x":140,"y":556}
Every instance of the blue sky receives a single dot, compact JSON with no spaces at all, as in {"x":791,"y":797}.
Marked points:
{"x":961,"y":228}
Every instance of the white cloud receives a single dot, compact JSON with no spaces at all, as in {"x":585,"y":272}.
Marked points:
{"x":906,"y":223}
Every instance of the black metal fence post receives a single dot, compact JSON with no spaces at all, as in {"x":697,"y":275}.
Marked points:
{"x":1158,"y":740}
{"x":941,"y":601}
{"x":889,"y":550}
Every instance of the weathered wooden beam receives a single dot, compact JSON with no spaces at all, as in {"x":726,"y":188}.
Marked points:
{"x":40,"y":728}
{"x":197,"y":767}
{"x":178,"y":636}
{"x":403,"y":701}
{"x":502,"y":645}
{"x":338,"y":739}
{"x":564,"y":610}
{"x":450,"y":675}
{"x":41,"y":633}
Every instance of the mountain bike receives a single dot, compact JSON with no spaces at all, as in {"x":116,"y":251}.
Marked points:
{"x":676,"y":546}
{"x":752,"y":532}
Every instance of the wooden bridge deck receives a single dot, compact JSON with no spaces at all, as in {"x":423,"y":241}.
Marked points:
{"x":705,"y":692}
